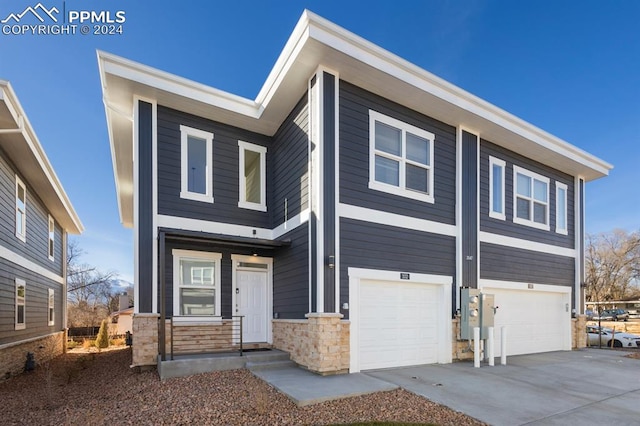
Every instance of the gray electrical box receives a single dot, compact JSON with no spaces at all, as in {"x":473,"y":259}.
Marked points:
{"x":476,"y":310}
{"x":487,"y":313}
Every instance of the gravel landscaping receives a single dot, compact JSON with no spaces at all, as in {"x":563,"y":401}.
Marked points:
{"x":100,"y":389}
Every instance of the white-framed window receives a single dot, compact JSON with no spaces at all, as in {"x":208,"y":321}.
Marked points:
{"x":52,"y":238}
{"x":253,"y":176}
{"x":196,"y":283}
{"x":561,"y":208}
{"x":51,"y":310}
{"x":496,"y":188}
{"x":400,"y":158}
{"x":530,"y":199}
{"x":196,"y":155}
{"x":21,"y":209}
{"x":21,"y":306}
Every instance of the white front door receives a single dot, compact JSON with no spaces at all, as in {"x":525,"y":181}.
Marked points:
{"x":251,"y":302}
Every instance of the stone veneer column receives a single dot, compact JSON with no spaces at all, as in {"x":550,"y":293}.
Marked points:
{"x":328,"y":343}
{"x":579,"y":332}
{"x":145,"y":340}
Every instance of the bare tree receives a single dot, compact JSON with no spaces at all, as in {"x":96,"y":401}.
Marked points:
{"x":89,"y":290}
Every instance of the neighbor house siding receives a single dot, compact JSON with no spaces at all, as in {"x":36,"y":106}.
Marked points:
{"x":225,"y":171}
{"x":291,"y":276}
{"x":36,"y":304}
{"x":287,"y":166}
{"x":384,"y":247}
{"x":518,"y":265}
{"x":36,"y":247}
{"x":355,"y":104}
{"x":507,"y":227}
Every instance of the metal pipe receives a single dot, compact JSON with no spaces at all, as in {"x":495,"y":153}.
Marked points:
{"x":476,"y":347}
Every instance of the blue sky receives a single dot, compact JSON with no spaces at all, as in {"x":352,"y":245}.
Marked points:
{"x":570,"y":68}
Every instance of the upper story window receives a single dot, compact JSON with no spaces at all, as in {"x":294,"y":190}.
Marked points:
{"x":531,"y":199}
{"x":52,"y":237}
{"x":21,"y":210}
{"x":196,"y":164}
{"x":21,"y":290}
{"x":561,"y":208}
{"x":51,"y":310}
{"x":253,"y":176}
{"x":196,"y":283}
{"x":400,"y":158}
{"x":496,"y":188}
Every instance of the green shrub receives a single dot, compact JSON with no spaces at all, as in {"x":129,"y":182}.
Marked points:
{"x":72,"y":344}
{"x":102,"y":341}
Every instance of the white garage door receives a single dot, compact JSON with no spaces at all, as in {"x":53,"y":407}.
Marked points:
{"x":398,"y":324}
{"x":536,"y":321}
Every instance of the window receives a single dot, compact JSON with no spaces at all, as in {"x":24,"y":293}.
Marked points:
{"x":196,"y":169}
{"x":253,"y":190}
{"x":51,"y":310}
{"x":21,"y":210}
{"x":531,"y":199}
{"x":400,"y":158}
{"x":496,"y":188}
{"x":196,"y":283}
{"x":21,"y":289}
{"x":52,"y":236}
{"x":561,"y":208}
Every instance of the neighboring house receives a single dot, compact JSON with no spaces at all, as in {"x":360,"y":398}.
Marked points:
{"x":35,"y":219}
{"x":341,"y":211}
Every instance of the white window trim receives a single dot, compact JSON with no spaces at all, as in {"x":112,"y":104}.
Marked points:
{"x":565,"y":230}
{"x":531,"y":223}
{"x":51,"y":319}
{"x":242,"y":202}
{"x":23,"y":236}
{"x":23,"y":325}
{"x":51,"y":240}
{"x":404,"y":128}
{"x":185,"y":132}
{"x":200,"y":255}
{"x":501,"y":163}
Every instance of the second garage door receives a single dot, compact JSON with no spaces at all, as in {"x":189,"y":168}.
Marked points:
{"x":398,"y":324}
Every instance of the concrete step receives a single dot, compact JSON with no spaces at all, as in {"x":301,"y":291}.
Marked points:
{"x":270,"y":365}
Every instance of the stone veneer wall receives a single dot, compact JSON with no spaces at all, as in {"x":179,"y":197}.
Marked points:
{"x":579,"y":332}
{"x":145,"y":340}
{"x":320,"y":343}
{"x":14,"y":355}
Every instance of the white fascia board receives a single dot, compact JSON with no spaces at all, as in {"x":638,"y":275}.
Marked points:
{"x":515,"y":285}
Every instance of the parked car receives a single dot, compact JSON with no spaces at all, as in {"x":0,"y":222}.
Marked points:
{"x":590,"y":314}
{"x":611,"y":338}
{"x":617,"y":314}
{"x":603,"y":316}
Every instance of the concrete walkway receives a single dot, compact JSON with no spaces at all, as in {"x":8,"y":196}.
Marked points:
{"x":585,"y":387}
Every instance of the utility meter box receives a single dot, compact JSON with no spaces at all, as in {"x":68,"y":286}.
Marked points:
{"x":469,"y":311}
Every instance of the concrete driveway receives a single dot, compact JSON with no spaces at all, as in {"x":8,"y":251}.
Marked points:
{"x":584,"y":387}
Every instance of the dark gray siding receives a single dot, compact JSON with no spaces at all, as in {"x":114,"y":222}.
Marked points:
{"x":374,"y":246}
{"x":469,"y":210}
{"x":291,"y":276}
{"x":355,"y":104}
{"x":329,"y":196}
{"x":287,"y":166}
{"x":225,"y":171}
{"x":507,"y":227}
{"x":36,"y":247}
{"x":513,"y":264}
{"x":145,"y":207}
{"x":36,"y":304}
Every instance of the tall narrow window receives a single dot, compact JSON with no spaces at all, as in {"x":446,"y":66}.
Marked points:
{"x":21,"y":209}
{"x":531,"y":199}
{"x":252,"y":176}
{"x":52,"y":236}
{"x":496,"y":188}
{"x":21,"y":289}
{"x":561,"y":208}
{"x":51,"y":310}
{"x":196,"y":164}
{"x":196,"y":283}
{"x":400,"y":158}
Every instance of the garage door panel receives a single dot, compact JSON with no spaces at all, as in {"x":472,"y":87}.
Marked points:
{"x":398,"y":324}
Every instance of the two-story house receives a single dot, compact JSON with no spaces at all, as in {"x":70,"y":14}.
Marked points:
{"x":35,"y":218}
{"x":341,"y":211}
